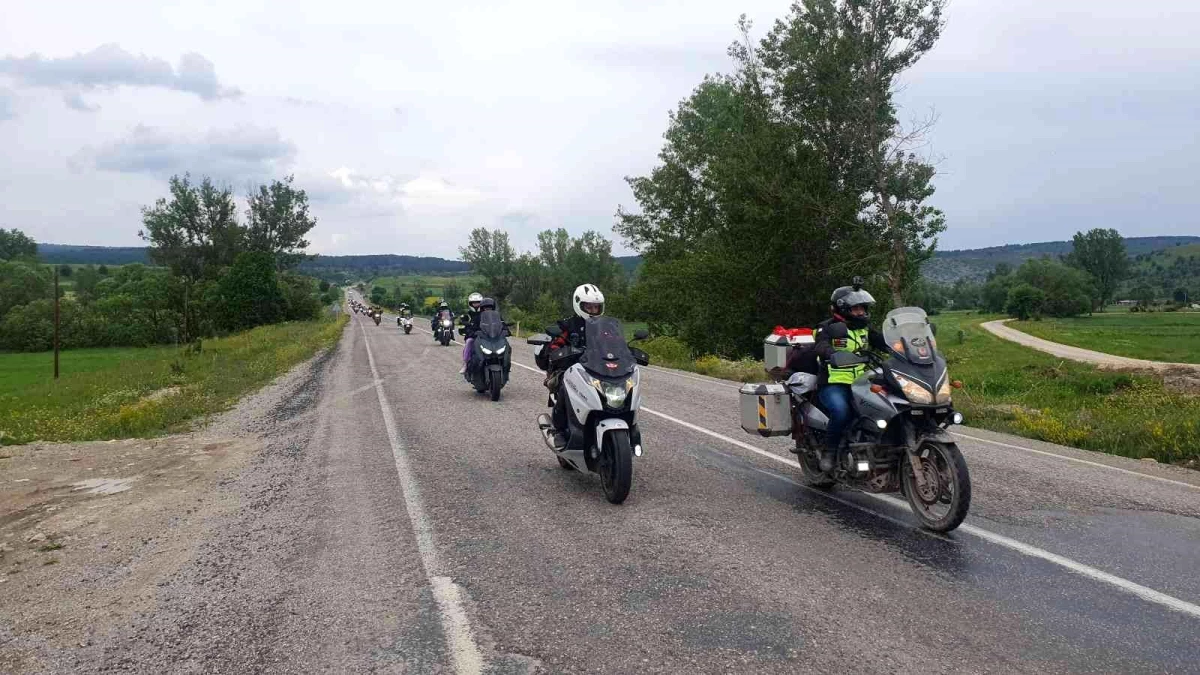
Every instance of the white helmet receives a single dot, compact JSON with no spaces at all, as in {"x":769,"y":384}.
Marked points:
{"x":474,"y":300}
{"x":588,"y":301}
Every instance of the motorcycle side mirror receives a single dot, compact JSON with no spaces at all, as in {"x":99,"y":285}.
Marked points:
{"x":640,"y":357}
{"x":846,"y":359}
{"x":539,"y":339}
{"x":554,"y":331}
{"x":641,"y":334}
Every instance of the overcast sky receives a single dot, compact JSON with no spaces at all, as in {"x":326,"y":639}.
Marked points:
{"x":410,"y":123}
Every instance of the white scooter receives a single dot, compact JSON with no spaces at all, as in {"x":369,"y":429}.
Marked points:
{"x":603,"y":393}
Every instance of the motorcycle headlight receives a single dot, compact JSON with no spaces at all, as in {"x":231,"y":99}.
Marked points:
{"x":501,"y":350}
{"x":914,"y":392}
{"x":446,"y":324}
{"x":485,"y":350}
{"x":943,"y":395}
{"x":614,"y":394}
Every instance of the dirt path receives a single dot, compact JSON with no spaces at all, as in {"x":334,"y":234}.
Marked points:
{"x":1108,"y":361}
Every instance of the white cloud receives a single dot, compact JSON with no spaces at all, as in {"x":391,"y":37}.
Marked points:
{"x":227,"y":155}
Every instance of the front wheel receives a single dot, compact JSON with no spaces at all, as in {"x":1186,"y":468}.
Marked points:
{"x":810,"y":471}
{"x":496,"y":382}
{"x":445,"y":339}
{"x":943,"y":503}
{"x":616,"y":465}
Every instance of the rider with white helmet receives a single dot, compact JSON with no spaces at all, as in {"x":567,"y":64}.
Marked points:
{"x":588,"y":302}
{"x":470,"y":323}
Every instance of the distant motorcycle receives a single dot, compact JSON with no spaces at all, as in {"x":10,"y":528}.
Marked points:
{"x":405,"y":324}
{"x":491,"y":358}
{"x":602,"y":383}
{"x":443,"y":329}
{"x":378,"y":316}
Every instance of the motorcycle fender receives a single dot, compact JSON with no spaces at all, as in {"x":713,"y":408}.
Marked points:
{"x":582,"y":397}
{"x":606,"y":425}
{"x":938,"y":436}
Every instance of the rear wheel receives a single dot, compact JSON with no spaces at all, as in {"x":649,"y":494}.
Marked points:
{"x":496,"y":382}
{"x":616,"y":465}
{"x":944,"y":501}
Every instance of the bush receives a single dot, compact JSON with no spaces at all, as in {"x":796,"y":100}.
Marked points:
{"x":1025,"y":301}
{"x":667,"y":351}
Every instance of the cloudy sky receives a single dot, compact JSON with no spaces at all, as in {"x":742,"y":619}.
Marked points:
{"x":410,"y":123}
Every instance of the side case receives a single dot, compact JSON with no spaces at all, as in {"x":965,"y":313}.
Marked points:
{"x":766,"y":409}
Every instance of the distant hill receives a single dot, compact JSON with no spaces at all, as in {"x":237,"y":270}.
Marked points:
{"x":93,"y":255}
{"x":333,"y":268}
{"x":1166,"y":270}
{"x":950,"y":266}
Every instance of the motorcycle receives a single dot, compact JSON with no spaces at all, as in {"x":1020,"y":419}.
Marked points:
{"x":898,"y":438}
{"x":490,"y":360}
{"x":378,"y":316}
{"x":601,"y":382}
{"x":443,"y":330}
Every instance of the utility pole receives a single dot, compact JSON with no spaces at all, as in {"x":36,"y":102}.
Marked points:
{"x":56,"y":322}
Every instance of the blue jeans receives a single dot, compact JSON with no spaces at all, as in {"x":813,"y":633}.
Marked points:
{"x":836,"y":399}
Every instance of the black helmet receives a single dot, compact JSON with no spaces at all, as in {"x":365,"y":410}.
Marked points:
{"x":487,"y":303}
{"x":847,"y":297}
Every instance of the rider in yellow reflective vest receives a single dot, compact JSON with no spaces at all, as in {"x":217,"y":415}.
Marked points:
{"x":847,"y":330}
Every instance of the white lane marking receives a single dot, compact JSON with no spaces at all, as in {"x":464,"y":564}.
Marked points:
{"x":1077,"y":460}
{"x":455,"y":625}
{"x":1143,"y":592}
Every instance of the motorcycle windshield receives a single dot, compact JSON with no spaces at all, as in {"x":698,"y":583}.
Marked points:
{"x":607,"y":353}
{"x":443,"y":316}
{"x":908,"y":334}
{"x":491,"y":326}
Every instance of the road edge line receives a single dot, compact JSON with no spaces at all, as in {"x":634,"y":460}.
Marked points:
{"x":456,"y":627}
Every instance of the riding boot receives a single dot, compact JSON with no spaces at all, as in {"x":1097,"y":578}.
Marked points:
{"x":828,"y":457}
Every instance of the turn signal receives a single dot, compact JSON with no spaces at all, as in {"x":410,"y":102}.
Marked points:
{"x":957,"y":384}
{"x":877,"y":389}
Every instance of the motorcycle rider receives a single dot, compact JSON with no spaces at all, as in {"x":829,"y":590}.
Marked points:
{"x":847,"y":330}
{"x":437,"y":314}
{"x":588,"y":302}
{"x":470,"y":324}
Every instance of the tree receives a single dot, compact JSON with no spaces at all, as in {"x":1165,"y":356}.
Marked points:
{"x":1025,"y":301}
{"x":833,"y":64}
{"x":195,"y":232}
{"x":491,"y":256}
{"x":1144,"y":295}
{"x":64,"y":271}
{"x":277,"y":220}
{"x":1068,"y":291}
{"x":16,"y":245}
{"x":22,"y":283}
{"x":248,"y":293}
{"x":323,"y":286}
{"x":379,"y":295}
{"x":103,"y":270}
{"x":1101,"y":253}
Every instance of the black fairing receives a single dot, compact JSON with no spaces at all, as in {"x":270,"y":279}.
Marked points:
{"x":928,"y":375}
{"x":607,"y":353}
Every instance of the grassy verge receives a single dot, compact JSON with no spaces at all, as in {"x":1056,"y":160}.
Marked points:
{"x":122,"y":393}
{"x":1157,"y":336}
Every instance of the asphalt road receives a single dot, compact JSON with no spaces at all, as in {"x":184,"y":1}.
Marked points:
{"x":405,"y":523}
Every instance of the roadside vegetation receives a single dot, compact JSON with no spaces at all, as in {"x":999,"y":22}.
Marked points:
{"x":122,"y":393}
{"x":1162,"y":336}
{"x":421,"y":292}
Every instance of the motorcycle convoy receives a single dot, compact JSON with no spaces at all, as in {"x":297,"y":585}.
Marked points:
{"x":896,"y":439}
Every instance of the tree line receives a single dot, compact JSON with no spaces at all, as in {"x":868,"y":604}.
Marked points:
{"x":215,"y":273}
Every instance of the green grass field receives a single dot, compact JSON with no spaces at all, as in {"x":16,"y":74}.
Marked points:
{"x":106,"y":393}
{"x":1018,"y":390}
{"x":1157,"y":336}
{"x":420,"y":284}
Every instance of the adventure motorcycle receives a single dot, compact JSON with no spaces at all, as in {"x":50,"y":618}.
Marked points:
{"x":405,"y":323}
{"x":490,"y":359}
{"x":898,"y":438}
{"x":443,"y":329}
{"x":601,"y":382}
